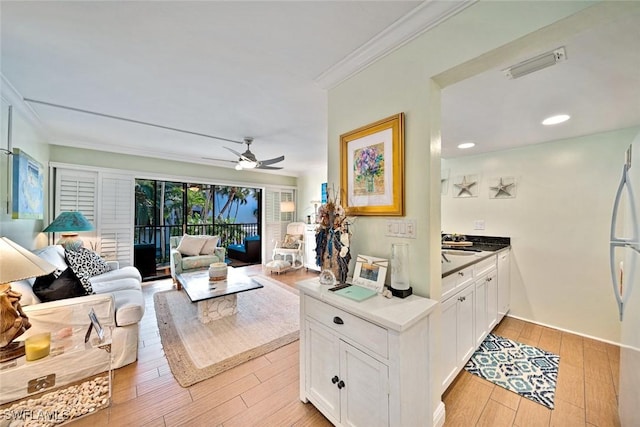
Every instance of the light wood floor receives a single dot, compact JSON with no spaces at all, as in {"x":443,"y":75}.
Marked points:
{"x":264,"y":391}
{"x":586,"y":393}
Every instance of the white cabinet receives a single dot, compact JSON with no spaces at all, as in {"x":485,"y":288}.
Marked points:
{"x":486,"y":299}
{"x":310,"y":247}
{"x":456,"y":281}
{"x":346,"y":383}
{"x":365,"y":363}
{"x":458,"y":334}
{"x":469,"y":313}
{"x":504,"y":283}
{"x":480,"y":313}
{"x":492,"y":299}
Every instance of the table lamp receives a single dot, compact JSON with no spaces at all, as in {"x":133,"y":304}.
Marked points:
{"x":69,"y":224}
{"x":16,"y":263}
{"x":287,"y":207}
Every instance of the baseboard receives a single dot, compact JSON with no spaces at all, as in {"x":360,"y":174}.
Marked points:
{"x":439,"y":415}
{"x":564,"y":330}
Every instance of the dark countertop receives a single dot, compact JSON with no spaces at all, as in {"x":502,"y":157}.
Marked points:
{"x":483,"y":247}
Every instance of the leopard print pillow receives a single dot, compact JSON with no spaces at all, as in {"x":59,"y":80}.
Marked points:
{"x":85,"y":264}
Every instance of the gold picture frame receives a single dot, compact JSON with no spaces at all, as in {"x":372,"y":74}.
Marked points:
{"x":372,"y":168}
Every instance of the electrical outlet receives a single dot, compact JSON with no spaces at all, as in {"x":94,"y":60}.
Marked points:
{"x":478,"y":224}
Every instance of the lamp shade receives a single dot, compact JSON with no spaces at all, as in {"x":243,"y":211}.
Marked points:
{"x":287,"y":207}
{"x":69,"y":222}
{"x":17,"y":263}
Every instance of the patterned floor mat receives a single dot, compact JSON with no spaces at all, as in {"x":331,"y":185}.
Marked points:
{"x":529,"y":371}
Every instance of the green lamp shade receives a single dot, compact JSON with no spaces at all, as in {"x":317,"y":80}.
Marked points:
{"x":69,"y":222}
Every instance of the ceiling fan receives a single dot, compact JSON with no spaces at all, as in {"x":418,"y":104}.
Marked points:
{"x":248,"y":160}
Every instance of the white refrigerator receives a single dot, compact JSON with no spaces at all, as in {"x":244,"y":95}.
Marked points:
{"x":624,"y":257}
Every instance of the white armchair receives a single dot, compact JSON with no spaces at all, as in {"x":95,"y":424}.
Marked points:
{"x":292,"y":246}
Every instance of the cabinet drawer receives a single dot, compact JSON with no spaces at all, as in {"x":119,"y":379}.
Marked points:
{"x":456,"y":281}
{"x":360,"y":331}
{"x":484,"y":265}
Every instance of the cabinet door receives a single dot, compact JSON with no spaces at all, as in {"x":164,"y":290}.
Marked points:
{"x":466,"y":342}
{"x":492,"y":300}
{"x":481,"y":309}
{"x":364,"y":389}
{"x":322,"y":366}
{"x":504,"y":284}
{"x":449,"y":354}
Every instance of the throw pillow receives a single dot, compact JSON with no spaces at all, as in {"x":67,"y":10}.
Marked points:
{"x":190,"y":245}
{"x":290,"y":241}
{"x":57,"y":286}
{"x":85,"y":264}
{"x":210,"y":244}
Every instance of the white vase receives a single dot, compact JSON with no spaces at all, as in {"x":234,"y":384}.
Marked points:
{"x":400,"y":266}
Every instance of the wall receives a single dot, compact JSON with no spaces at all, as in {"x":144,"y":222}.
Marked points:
{"x":309,"y":189}
{"x":402,"y":82}
{"x":150,"y":167}
{"x":558,"y":223}
{"x":28,"y":137}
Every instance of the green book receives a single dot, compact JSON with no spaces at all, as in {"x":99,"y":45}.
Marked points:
{"x":356,"y":293}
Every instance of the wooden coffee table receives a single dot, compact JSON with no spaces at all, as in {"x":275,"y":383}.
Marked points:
{"x":215,"y":299}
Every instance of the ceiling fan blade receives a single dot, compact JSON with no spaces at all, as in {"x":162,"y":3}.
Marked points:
{"x":234,"y":152}
{"x":261,"y":166}
{"x":272,"y":161}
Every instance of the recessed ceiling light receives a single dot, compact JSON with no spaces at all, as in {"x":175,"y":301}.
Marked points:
{"x":554,"y":120}
{"x":466,"y":145}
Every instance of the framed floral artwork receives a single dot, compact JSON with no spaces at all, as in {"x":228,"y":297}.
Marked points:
{"x":372,"y":168}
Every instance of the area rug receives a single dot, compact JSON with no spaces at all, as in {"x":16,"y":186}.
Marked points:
{"x":267,"y":318}
{"x":529,"y":371}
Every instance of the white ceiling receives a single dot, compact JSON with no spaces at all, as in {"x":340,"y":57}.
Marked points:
{"x":229,"y":69}
{"x":598,"y":86}
{"x":260,"y":69}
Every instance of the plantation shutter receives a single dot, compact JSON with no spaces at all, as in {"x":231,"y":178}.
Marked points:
{"x":107,"y":201}
{"x":117,"y":218}
{"x":276,"y":221}
{"x":76,"y":191}
{"x":272,"y":222}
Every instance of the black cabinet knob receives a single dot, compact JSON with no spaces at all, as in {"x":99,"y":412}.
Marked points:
{"x":341,"y":384}
{"x":335,"y":379}
{"x":338,"y":321}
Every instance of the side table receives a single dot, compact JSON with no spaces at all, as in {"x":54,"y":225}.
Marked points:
{"x":71,"y":360}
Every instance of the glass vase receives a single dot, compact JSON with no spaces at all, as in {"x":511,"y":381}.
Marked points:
{"x":400,"y":266}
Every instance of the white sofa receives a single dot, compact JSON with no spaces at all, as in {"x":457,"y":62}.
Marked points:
{"x":122,"y":285}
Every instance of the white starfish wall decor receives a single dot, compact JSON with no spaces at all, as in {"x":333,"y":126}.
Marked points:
{"x":504,"y":188}
{"x":467,"y":186}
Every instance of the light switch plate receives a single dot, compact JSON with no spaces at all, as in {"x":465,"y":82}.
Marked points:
{"x":405,"y":228}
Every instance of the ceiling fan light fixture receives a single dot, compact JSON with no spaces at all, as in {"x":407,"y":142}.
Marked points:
{"x":554,"y":120}
{"x":245,"y":164}
{"x":238,"y":167}
{"x":465,"y":145}
{"x":537,"y":63}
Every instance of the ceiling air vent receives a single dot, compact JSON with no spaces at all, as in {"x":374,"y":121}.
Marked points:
{"x":537,"y":63}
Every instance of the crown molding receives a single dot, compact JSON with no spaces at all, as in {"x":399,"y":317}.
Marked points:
{"x":14,"y":98}
{"x":421,"y":19}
